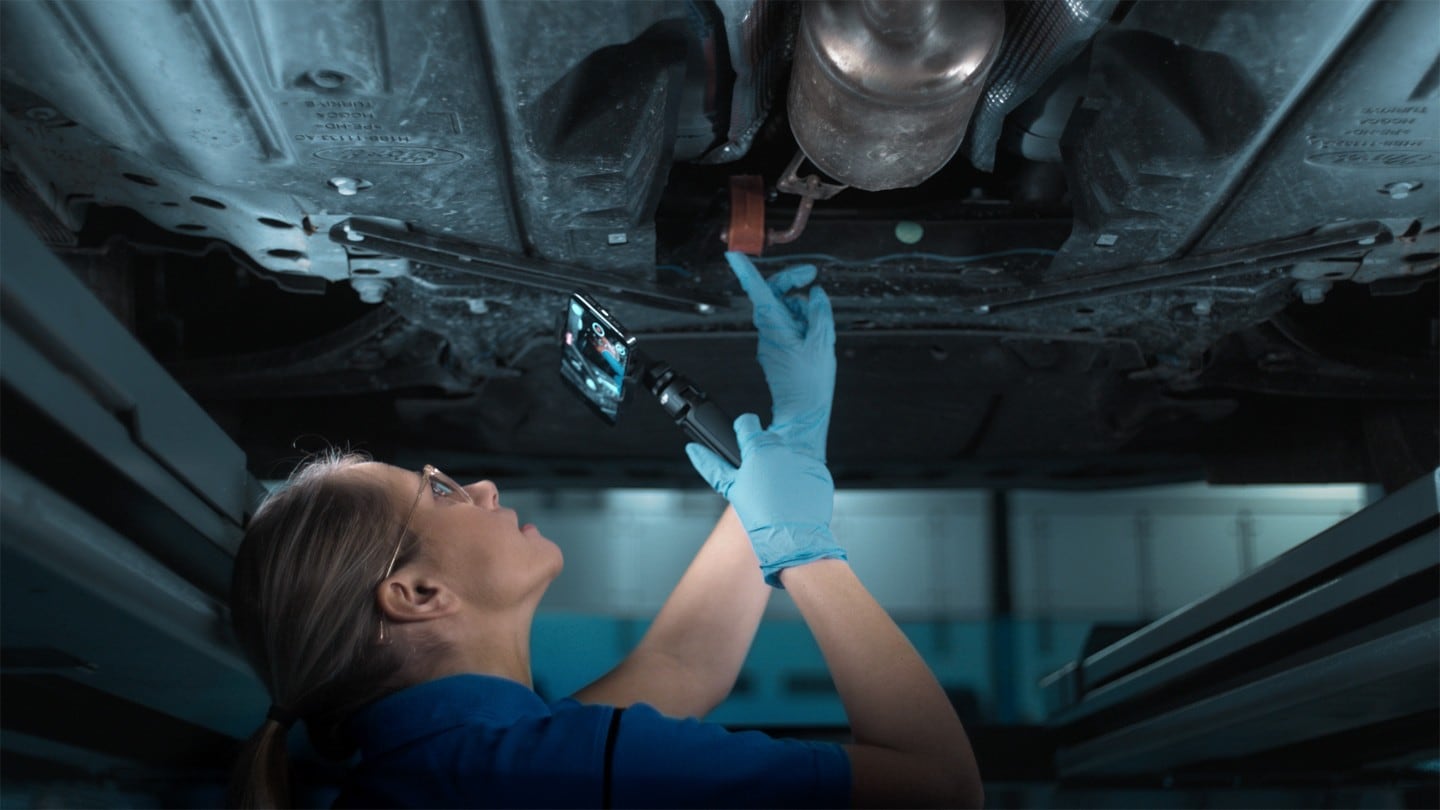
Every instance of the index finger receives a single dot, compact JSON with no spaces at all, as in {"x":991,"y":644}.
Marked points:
{"x":750,"y":279}
{"x":771,"y":314}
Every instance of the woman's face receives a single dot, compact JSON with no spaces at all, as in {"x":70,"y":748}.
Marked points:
{"x":481,"y":548}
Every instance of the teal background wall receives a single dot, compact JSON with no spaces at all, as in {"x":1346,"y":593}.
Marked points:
{"x":1076,"y":558}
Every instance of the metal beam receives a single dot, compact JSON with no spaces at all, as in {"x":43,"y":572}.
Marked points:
{"x":470,"y":259}
{"x":1405,"y":511}
{"x":1390,"y":677}
{"x":73,"y":333}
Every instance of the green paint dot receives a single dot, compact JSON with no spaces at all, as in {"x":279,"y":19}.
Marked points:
{"x":909,"y":232}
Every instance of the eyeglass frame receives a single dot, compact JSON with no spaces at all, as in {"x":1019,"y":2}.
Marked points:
{"x":428,"y":474}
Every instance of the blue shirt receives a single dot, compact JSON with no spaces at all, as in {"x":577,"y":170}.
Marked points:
{"x":482,"y":741}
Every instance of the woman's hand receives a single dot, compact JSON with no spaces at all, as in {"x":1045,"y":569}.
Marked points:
{"x":690,"y":657}
{"x":797,"y":351}
{"x":910,"y":748}
{"x":783,"y":492}
{"x":783,"y":495}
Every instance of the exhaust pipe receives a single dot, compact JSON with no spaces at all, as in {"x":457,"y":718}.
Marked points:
{"x":882,"y":91}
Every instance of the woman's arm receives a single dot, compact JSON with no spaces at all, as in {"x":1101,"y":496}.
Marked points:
{"x":688,"y":660}
{"x":910,"y":749}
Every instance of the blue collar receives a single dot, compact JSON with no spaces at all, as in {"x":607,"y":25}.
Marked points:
{"x":429,"y":708}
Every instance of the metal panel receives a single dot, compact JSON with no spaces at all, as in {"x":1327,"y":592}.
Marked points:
{"x":1413,"y":558}
{"x":1362,"y":144}
{"x":254,"y":121}
{"x":1158,"y":187}
{"x":1383,"y":679}
{"x":73,"y":333}
{"x":1395,"y":515}
{"x":63,"y":398}
{"x":142,"y":632}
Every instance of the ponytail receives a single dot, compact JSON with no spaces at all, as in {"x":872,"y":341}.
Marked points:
{"x":261,"y":776}
{"x":304,"y":612}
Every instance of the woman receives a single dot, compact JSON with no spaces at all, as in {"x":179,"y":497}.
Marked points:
{"x":390,"y":610}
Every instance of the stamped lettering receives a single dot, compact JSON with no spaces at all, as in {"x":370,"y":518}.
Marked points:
{"x":390,"y":155}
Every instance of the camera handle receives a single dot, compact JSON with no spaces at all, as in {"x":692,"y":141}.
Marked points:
{"x":700,"y":418}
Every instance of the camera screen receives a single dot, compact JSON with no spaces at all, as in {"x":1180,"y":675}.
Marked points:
{"x":594,"y":359}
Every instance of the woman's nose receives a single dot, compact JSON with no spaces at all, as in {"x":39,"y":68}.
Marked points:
{"x":485,"y":493}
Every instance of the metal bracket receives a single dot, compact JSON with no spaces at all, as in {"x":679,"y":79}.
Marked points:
{"x":808,"y":186}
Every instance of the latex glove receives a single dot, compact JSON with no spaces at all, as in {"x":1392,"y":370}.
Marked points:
{"x":797,"y":351}
{"x":783,"y":495}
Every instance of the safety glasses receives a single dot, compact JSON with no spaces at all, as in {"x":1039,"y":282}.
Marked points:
{"x":441,"y":486}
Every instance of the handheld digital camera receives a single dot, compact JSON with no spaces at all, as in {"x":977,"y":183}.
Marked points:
{"x":600,"y":362}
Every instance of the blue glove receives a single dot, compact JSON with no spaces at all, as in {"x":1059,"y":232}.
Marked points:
{"x":783,"y":495}
{"x":797,"y":351}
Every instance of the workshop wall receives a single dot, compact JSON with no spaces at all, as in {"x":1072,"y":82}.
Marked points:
{"x":1135,"y":555}
{"x":1123,"y":557}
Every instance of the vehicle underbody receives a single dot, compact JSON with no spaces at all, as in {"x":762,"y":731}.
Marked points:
{"x":1153,"y":240}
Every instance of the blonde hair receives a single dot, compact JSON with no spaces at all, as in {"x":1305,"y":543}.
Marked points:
{"x":304,"y":609}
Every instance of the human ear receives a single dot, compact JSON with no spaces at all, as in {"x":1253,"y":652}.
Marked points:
{"x":416,"y":598}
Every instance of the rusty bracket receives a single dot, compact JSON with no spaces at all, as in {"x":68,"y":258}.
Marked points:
{"x":808,"y":186}
{"x":747,"y":233}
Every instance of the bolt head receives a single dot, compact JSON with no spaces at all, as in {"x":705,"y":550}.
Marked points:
{"x":349,"y":186}
{"x":370,"y":290}
{"x":1400,"y":189}
{"x":1313,"y":292}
